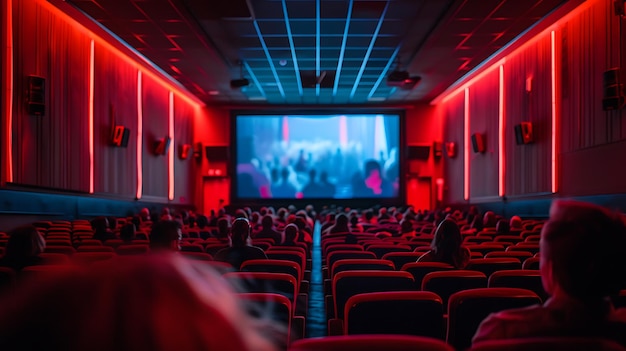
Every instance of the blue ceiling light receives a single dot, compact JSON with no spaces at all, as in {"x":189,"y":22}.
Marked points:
{"x":369,"y":51}
{"x":254,"y":79}
{"x":292,"y":47}
{"x":343,"y":48}
{"x":267,"y":52}
{"x":384,"y":72}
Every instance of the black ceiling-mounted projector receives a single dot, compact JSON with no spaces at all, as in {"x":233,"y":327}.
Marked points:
{"x":402,"y":80}
{"x":239,"y":83}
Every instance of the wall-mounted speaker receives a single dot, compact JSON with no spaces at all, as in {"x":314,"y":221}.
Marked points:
{"x":418,"y":152}
{"x":524,"y":133}
{"x":217,"y":153}
{"x":613,"y":90}
{"x":184,"y":151}
{"x":451,"y":149}
{"x":478,"y":142}
{"x":36,"y":96}
{"x":120,"y":136}
{"x":197,"y":151}
{"x":437,"y":149}
{"x":162,"y":145}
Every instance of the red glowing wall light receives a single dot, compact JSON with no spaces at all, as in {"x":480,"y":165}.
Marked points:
{"x":555,"y":120}
{"x":466,"y":146}
{"x":170,"y":155}
{"x":501,"y":135}
{"x":139,"y":137}
{"x":7,"y":19}
{"x":91,"y":100}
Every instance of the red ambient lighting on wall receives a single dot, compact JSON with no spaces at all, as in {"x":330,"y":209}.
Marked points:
{"x":139,"y":137}
{"x":91,"y":100}
{"x":170,"y":155}
{"x":7,"y":20}
{"x":466,"y":147}
{"x":501,"y":135}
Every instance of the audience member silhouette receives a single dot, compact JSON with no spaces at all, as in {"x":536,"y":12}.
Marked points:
{"x":582,"y":263}
{"x":101,"y":229}
{"x":223,"y":228}
{"x":23,"y":248}
{"x":341,"y":225}
{"x":446,"y":246}
{"x":326,"y":188}
{"x":268,"y":231}
{"x":290,"y":235}
{"x":502,"y":227}
{"x":147,"y":302}
{"x":240,"y":249}
{"x":166,"y":235}
{"x":127,"y":232}
{"x":406,"y":228}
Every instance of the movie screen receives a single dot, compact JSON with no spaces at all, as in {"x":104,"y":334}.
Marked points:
{"x":341,"y":156}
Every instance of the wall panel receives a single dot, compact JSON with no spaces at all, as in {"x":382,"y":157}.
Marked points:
{"x":483,"y":114}
{"x":183,"y":134}
{"x":115,"y":103}
{"x":452,"y":113}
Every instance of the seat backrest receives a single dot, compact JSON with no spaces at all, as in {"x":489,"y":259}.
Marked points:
{"x":446,"y":283}
{"x":531,"y":263}
{"x":334,"y":256}
{"x":468,"y":308}
{"x":342,"y":247}
{"x":91,"y":248}
{"x":268,"y":305}
{"x":518,"y":278}
{"x":490,"y":265}
{"x":262,"y":282}
{"x":7,"y":279}
{"x":548,"y":344}
{"x":85,"y":258}
{"x":355,"y":264}
{"x":54,"y":258}
{"x":381,"y":249}
{"x":272,"y":266}
{"x":66,"y":250}
{"x":132,"y":249}
{"x":201,"y":256}
{"x":397,"y":312}
{"x":349,"y":283}
{"x":521,"y":255}
{"x":399,"y":259}
{"x":419,"y":269}
{"x":293,"y":256}
{"x":485,"y":248}
{"x":370,"y":343}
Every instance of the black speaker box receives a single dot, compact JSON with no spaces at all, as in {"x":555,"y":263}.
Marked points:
{"x":36,"y":96}
{"x":418,"y":152}
{"x":120,"y":136}
{"x":184,"y":151}
{"x":197,"y":151}
{"x":217,"y":153}
{"x":161,"y":146}
{"x":437,"y":149}
{"x":478,"y":142}
{"x":524,"y":133}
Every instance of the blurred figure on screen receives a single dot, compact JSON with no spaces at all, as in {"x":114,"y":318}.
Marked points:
{"x":373,"y":184}
{"x":327,"y":189}
{"x":312,"y":189}
{"x":282,"y":188}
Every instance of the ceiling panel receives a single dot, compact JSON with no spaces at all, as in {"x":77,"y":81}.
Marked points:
{"x":204,"y":46}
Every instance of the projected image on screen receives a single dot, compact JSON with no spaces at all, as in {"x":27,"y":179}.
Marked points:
{"x":317,"y":156}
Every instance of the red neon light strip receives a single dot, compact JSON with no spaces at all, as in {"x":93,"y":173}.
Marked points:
{"x":91,"y":100}
{"x":466,"y":147}
{"x":8,"y":137}
{"x":170,"y":155}
{"x":554,"y":112}
{"x":501,"y":135}
{"x":139,"y":137}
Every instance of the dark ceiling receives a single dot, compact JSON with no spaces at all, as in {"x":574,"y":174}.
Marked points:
{"x":316,"y":51}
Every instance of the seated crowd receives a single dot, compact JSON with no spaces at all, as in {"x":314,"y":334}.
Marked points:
{"x":175,"y":290}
